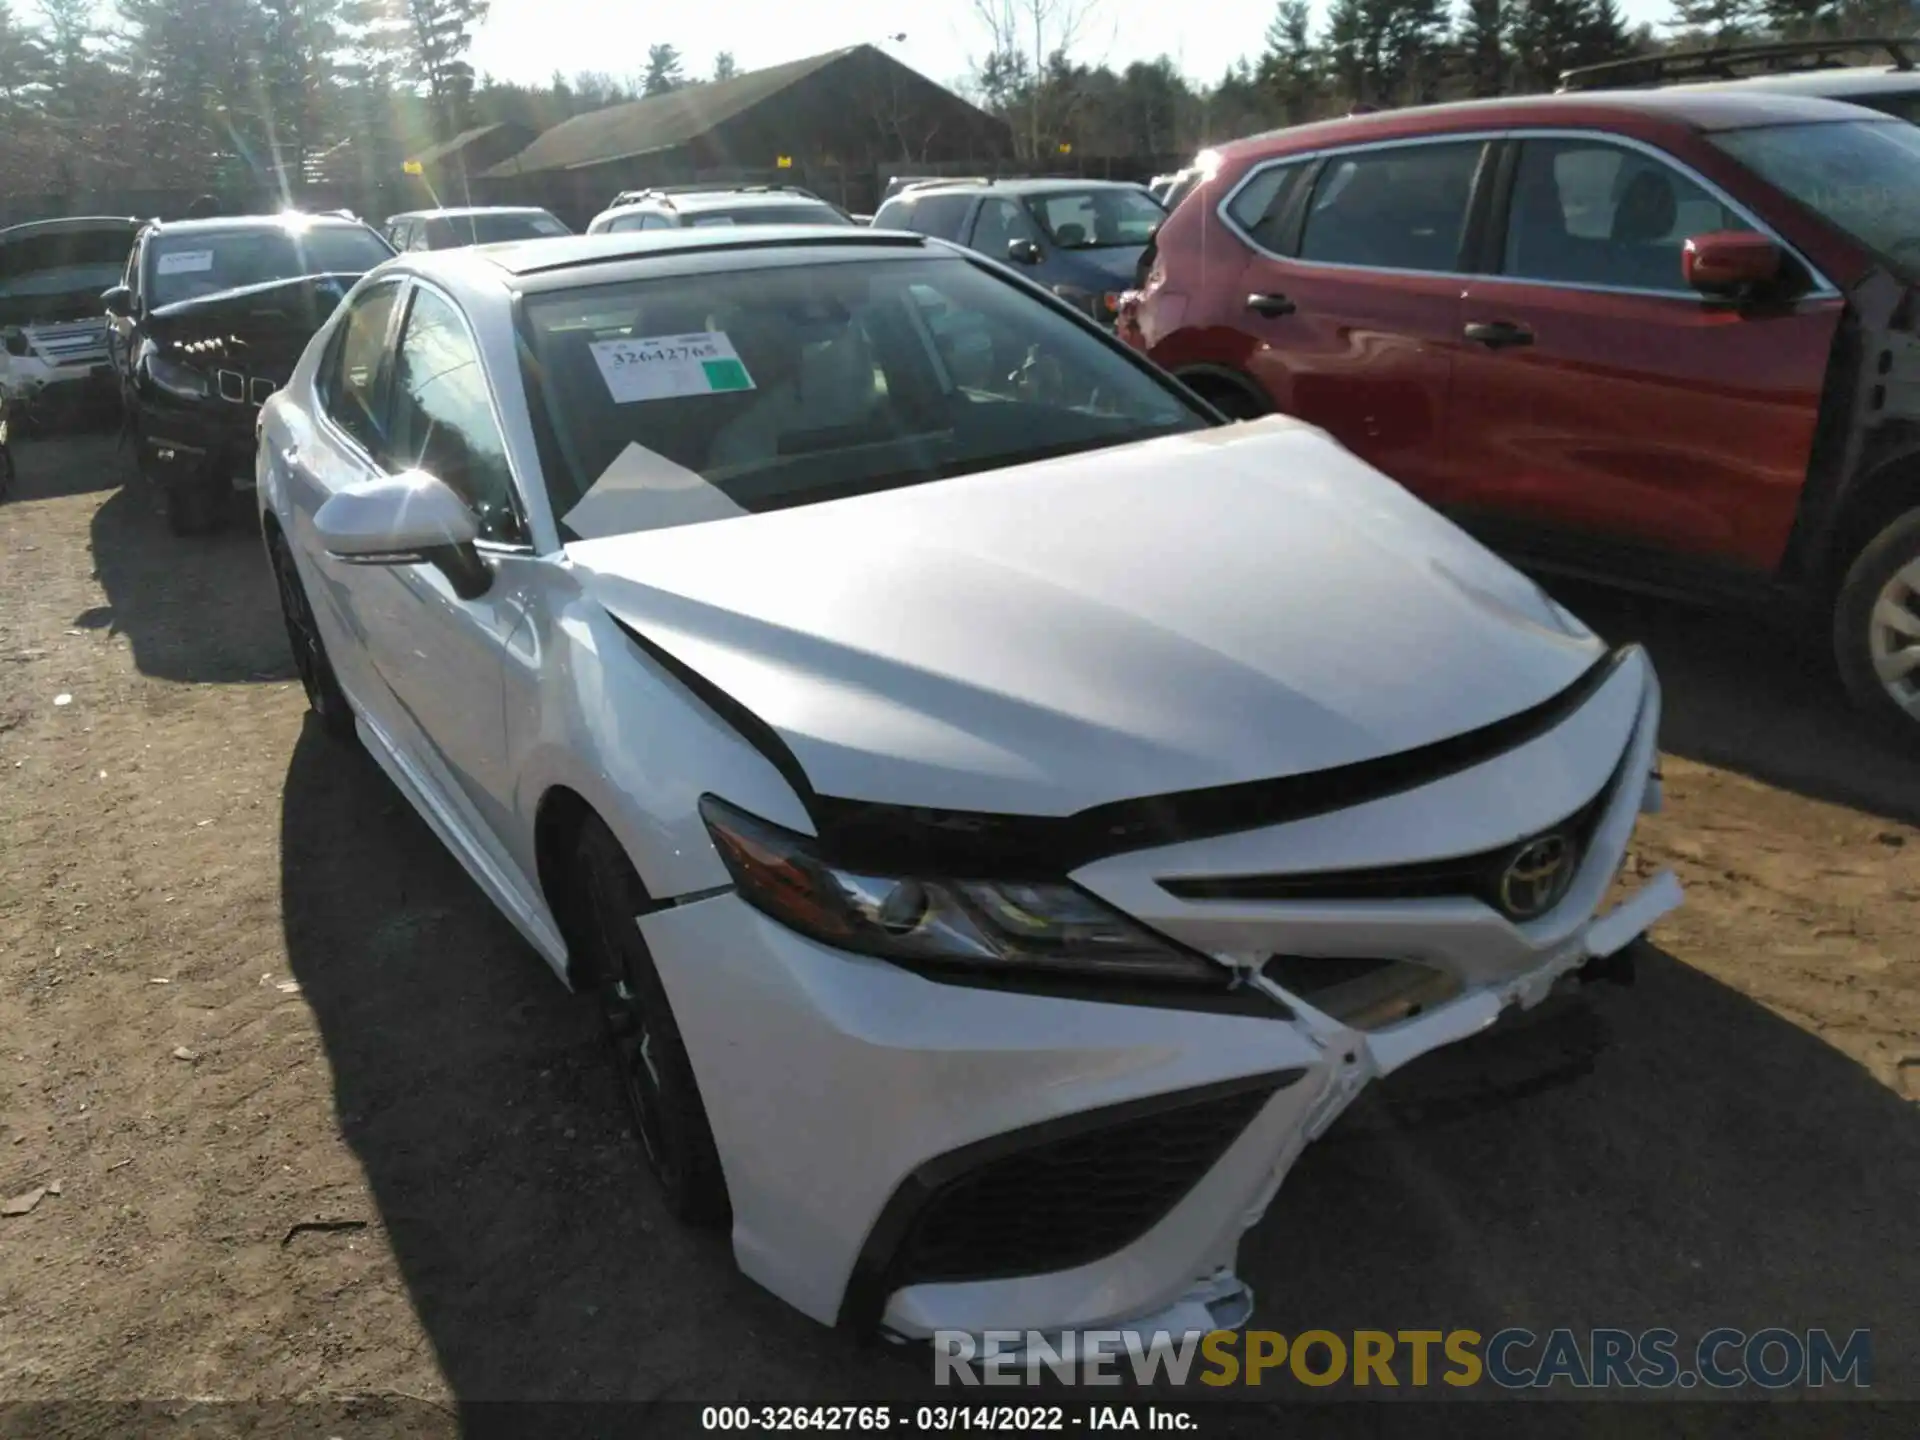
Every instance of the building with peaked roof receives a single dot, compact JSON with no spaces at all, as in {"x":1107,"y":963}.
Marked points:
{"x":848,"y":109}
{"x":451,"y":164}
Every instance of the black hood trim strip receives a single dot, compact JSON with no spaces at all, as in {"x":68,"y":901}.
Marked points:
{"x":903,"y":839}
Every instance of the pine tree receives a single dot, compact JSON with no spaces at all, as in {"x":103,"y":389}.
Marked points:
{"x":1485,"y":44}
{"x":1721,"y":21}
{"x":1289,"y":67}
{"x":22,"y":62}
{"x":663,"y":70}
{"x":724,"y":67}
{"x":1386,"y":51}
{"x":300,"y":38}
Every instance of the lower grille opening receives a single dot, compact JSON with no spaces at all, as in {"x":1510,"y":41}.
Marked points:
{"x":1368,"y":994}
{"x":1061,"y":1203}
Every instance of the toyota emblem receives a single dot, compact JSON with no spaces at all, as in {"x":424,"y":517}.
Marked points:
{"x":1537,"y":877}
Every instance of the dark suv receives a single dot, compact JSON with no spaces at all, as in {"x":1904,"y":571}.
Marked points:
{"x":1668,"y":338}
{"x":1082,"y":239}
{"x":208,"y":321}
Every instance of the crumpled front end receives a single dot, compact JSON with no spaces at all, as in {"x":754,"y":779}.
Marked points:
{"x":908,"y":1155}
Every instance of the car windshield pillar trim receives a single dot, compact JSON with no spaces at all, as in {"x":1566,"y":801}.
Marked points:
{"x":1820,"y":286}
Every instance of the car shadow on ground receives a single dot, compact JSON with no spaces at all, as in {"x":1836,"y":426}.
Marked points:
{"x":1758,"y":698}
{"x":200,"y":609}
{"x":1669,"y":1154}
{"x":74,"y":461}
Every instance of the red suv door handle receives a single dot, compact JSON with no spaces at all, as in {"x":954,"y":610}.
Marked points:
{"x":1498,"y":334}
{"x":1271,"y":305}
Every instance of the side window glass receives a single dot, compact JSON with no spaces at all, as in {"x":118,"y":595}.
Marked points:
{"x":940,"y":215}
{"x":1260,"y":207}
{"x":350,"y":379}
{"x":1586,"y":212}
{"x":1402,"y":207}
{"x":443,"y":416}
{"x":999,"y":223}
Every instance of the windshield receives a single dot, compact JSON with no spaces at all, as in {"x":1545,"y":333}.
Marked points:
{"x":206,"y":262}
{"x":788,"y":214}
{"x":57,"y":263}
{"x":453,"y":230}
{"x":1861,"y":175}
{"x":1097,"y":219}
{"x":694,"y":398}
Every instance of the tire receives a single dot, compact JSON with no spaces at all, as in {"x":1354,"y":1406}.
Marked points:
{"x":194,"y":509}
{"x":1876,"y":627}
{"x":324,"y":696}
{"x":1231,"y":400}
{"x":6,"y":470}
{"x":643,"y":1039}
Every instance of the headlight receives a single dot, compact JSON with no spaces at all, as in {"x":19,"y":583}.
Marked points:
{"x":177,"y":379}
{"x":17,"y":342}
{"x":980,"y":925}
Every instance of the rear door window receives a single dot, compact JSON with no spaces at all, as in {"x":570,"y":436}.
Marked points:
{"x":939,"y":215}
{"x":1591,"y":212}
{"x":1400,"y":207}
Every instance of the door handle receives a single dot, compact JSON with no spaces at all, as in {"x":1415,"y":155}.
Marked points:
{"x":1498,"y":334}
{"x":1271,"y":305}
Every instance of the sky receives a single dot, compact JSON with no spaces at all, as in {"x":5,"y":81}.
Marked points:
{"x":527,"y":40}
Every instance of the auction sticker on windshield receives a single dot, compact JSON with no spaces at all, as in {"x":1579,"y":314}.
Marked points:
{"x":661,"y":367}
{"x":186,"y":262}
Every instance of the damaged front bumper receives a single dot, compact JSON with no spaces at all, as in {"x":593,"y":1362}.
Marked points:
{"x":906,"y":1157}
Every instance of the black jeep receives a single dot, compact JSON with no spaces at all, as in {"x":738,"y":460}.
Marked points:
{"x":209,"y":321}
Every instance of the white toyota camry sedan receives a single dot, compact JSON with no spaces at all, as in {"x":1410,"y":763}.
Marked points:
{"x":1005,"y":811}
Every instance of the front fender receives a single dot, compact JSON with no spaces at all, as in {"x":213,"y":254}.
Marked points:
{"x":608,"y":723}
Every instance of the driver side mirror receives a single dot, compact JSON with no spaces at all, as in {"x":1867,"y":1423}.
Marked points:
{"x":1730,"y":264}
{"x":1023,"y":252}
{"x":413,"y":518}
{"x":118,"y":300}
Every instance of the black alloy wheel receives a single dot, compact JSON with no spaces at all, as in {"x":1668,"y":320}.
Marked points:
{"x":324,"y":695}
{"x":643,"y":1039}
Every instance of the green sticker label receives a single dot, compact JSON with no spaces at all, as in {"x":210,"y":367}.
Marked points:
{"x":726,"y":375}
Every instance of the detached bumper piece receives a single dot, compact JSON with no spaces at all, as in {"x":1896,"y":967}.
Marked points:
{"x":1051,"y":1197}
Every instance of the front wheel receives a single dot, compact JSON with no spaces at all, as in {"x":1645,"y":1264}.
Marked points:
{"x":324,"y":695}
{"x":643,"y":1037}
{"x":1876,"y":626}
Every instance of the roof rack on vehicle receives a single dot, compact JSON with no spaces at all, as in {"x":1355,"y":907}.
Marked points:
{"x":712,"y":187}
{"x":1735,"y":62}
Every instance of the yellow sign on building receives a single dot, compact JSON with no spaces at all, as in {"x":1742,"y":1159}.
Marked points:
{"x":785,"y":162}
{"x":414,"y":167}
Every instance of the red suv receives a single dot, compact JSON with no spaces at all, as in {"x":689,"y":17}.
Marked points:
{"x":1665,"y":338}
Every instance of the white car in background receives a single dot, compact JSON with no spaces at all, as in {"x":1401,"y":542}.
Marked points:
{"x":53,"y":327}
{"x":1005,"y":811}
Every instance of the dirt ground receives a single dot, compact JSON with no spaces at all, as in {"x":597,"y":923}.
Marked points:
{"x":243,"y":991}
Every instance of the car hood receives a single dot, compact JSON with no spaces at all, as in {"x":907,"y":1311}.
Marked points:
{"x":266,"y":325}
{"x":1247,"y":602}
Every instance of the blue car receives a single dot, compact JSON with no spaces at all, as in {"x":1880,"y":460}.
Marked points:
{"x":1081,"y":239}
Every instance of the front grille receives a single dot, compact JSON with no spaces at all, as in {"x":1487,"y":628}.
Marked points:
{"x":1477,"y":876}
{"x":80,"y":344}
{"x":1070,"y":1201}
